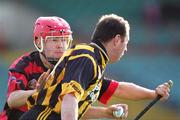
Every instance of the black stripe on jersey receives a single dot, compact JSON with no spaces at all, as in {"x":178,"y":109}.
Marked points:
{"x":54,"y":97}
{"x":41,"y":96}
{"x":98,"y":45}
{"x":98,"y":56}
{"x":38,"y":60}
{"x":22,"y":63}
{"x":58,"y":70}
{"x":56,"y":75}
{"x":105,"y":84}
{"x":31,"y":100}
{"x":19,"y":71}
{"x":80,"y":115}
{"x":74,"y":70}
{"x":20,"y":85}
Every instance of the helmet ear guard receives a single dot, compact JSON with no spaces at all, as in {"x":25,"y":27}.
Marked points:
{"x":41,"y":44}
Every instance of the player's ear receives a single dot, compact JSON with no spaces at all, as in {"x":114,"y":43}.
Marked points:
{"x":117,"y":39}
{"x":121,"y":38}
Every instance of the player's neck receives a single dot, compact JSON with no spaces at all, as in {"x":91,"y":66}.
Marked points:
{"x":45,"y":62}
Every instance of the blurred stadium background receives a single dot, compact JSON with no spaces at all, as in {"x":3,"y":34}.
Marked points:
{"x":154,"y":50}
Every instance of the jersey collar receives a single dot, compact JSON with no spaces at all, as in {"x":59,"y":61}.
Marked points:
{"x":100,"y":46}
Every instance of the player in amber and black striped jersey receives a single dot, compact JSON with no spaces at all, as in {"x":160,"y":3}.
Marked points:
{"x":76,"y":79}
{"x":79,"y":73}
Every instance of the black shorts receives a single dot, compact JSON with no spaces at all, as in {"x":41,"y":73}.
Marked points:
{"x":14,"y":114}
{"x":40,"y":113}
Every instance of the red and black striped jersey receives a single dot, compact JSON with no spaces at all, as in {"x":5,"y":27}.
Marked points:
{"x":22,"y":75}
{"x":79,"y":71}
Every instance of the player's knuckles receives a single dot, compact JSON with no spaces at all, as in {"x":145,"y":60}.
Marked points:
{"x":46,"y":75}
{"x":167,"y":94}
{"x":160,"y":92}
{"x":166,"y":91}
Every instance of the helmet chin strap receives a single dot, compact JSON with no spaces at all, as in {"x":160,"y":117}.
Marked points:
{"x":52,"y":60}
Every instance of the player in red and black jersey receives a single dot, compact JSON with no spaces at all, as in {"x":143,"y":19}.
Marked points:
{"x":23,"y":74}
{"x":52,"y":36}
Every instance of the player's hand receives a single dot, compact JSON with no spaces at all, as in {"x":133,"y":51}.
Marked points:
{"x":42,"y":80}
{"x":163,"y":90}
{"x":32,"y":84}
{"x":110,"y":109}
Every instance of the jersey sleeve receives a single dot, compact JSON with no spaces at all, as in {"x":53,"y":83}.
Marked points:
{"x":19,"y":73}
{"x":16,"y":81}
{"x":78,"y":74}
{"x":107,"y":90}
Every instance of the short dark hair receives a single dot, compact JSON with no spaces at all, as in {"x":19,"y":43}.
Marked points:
{"x":109,"y":26}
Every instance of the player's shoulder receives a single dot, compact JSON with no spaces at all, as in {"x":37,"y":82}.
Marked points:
{"x":25,"y":59}
{"x":84,"y":47}
{"x":82,"y":51}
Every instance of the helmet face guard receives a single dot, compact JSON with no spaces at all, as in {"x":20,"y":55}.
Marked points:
{"x":65,"y":40}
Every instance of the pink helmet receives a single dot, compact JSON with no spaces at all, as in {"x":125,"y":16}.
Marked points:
{"x":51,"y":26}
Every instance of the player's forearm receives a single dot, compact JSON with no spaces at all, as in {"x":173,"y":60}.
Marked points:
{"x":69,"y":107}
{"x":95,"y":113}
{"x":134,"y":92}
{"x":18,"y":98}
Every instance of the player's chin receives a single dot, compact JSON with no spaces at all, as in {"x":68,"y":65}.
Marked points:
{"x":119,"y":58}
{"x":58,"y":54}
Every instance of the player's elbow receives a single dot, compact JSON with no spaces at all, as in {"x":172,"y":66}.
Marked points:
{"x":14,"y":100}
{"x":10,"y":101}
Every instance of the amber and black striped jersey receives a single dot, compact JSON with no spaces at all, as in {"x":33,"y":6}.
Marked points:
{"x":21,"y":75}
{"x":79,"y":72}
